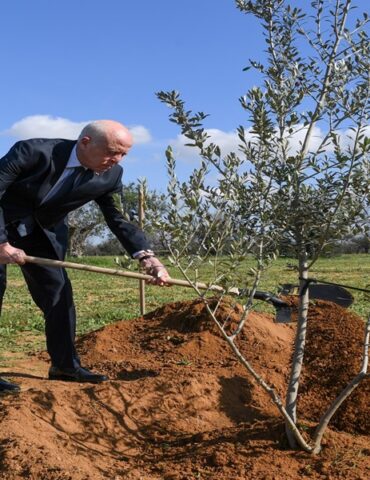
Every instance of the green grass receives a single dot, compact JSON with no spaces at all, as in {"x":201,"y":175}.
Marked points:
{"x":102,"y":299}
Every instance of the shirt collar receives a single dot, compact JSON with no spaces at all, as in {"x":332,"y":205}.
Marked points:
{"x":73,"y":160}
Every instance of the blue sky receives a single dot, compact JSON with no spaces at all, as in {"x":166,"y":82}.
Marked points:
{"x":68,"y":62}
{"x":65,"y":63}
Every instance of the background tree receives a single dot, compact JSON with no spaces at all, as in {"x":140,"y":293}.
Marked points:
{"x":89,"y":234}
{"x":83,"y":223}
{"x":302,"y":168}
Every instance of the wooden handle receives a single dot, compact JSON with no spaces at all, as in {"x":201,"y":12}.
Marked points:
{"x":120,"y":273}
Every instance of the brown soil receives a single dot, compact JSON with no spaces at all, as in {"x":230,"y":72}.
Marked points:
{"x":178,"y":405}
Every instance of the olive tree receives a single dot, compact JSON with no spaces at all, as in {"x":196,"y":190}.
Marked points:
{"x":83,"y":223}
{"x":88,"y":221}
{"x":300,"y":172}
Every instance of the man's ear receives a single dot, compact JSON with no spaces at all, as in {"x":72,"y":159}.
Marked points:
{"x":85,"y":140}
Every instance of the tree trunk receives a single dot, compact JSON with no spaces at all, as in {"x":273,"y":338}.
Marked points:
{"x":299,"y":345}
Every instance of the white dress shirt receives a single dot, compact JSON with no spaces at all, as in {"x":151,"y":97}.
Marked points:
{"x":72,"y":163}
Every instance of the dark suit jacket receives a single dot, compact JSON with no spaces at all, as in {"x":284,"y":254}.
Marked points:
{"x":31,"y":168}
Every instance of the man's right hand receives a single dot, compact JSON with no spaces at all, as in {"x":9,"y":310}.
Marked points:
{"x":157,"y":270}
{"x":9,"y":254}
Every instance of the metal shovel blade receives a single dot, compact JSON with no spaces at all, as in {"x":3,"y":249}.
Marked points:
{"x":283,"y":315}
{"x":319,"y":291}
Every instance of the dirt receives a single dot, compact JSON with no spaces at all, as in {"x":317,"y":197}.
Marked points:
{"x":179,"y":406}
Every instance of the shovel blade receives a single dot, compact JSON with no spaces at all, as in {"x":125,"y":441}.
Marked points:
{"x":283,"y":315}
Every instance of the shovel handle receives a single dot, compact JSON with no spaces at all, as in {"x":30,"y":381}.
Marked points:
{"x":116,"y":272}
{"x":276,"y":302}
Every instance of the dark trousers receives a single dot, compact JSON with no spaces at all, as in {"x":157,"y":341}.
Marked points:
{"x":51,"y":290}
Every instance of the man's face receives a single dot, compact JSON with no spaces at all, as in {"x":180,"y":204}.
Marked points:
{"x":101,"y":155}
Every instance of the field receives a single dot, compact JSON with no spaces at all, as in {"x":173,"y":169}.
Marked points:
{"x":178,"y":405}
{"x":103,"y":299}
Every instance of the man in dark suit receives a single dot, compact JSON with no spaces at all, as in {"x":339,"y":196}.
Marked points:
{"x":41,"y":180}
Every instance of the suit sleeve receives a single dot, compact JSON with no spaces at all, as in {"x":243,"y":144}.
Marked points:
{"x":130,"y":236}
{"x":19,"y":159}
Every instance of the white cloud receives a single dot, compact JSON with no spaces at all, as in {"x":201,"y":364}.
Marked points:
{"x":44,"y":126}
{"x":347,"y":137}
{"x":141,"y":134}
{"x":296,"y":139}
{"x":227,"y":141}
{"x":47,"y":126}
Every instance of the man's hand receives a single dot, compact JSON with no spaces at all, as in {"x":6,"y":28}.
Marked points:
{"x":9,"y":254}
{"x":157,"y":270}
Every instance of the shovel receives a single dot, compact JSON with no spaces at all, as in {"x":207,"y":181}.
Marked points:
{"x":331,"y":292}
{"x":283,"y":312}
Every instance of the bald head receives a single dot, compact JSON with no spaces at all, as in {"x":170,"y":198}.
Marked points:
{"x":102,"y":144}
{"x":99,"y":130}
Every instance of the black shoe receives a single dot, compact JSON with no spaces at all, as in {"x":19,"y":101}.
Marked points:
{"x":75,"y":375}
{"x":7,"y":387}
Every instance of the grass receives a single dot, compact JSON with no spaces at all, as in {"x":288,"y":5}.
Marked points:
{"x":102,"y":299}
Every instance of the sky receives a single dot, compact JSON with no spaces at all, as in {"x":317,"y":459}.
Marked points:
{"x":67,"y":63}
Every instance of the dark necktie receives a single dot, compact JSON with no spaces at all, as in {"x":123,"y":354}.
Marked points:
{"x":66,"y":185}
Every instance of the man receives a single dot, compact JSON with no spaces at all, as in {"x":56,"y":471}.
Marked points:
{"x":41,"y":180}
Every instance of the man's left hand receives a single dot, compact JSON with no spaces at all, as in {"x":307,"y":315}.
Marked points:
{"x":157,"y":270}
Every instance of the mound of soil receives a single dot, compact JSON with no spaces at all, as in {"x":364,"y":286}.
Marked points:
{"x":333,"y":357}
{"x":179,"y":406}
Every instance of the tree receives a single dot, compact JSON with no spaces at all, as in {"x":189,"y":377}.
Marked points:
{"x":301,"y":171}
{"x":153,"y":201}
{"x":88,"y":222}
{"x":83,"y":223}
